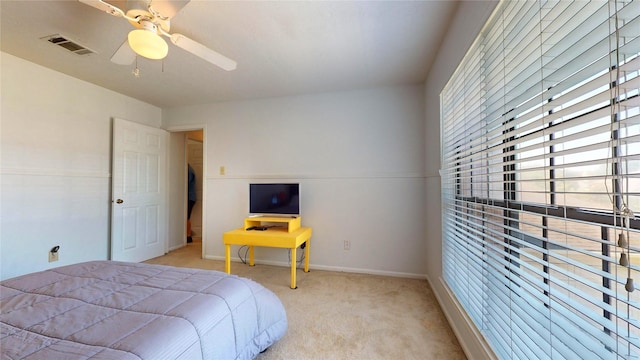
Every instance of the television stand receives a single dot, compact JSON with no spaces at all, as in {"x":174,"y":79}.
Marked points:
{"x":270,"y":231}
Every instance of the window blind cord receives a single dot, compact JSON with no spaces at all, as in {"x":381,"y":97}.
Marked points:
{"x":621,"y":212}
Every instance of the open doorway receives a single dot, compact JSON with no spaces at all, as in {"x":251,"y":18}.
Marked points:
{"x":186,"y":148}
{"x":195,"y":162}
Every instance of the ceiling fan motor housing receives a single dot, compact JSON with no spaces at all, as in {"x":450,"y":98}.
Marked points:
{"x":143,"y":15}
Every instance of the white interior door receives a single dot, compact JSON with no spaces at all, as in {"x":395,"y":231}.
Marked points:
{"x":138,"y":181}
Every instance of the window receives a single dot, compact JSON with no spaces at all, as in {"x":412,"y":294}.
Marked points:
{"x":540,"y":128}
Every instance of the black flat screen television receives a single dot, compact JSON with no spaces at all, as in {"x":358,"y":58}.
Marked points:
{"x":274,"y":199}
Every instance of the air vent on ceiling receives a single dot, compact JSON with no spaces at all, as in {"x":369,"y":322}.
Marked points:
{"x":68,"y":44}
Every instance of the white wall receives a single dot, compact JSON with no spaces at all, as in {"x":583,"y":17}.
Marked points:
{"x":359,"y":157}
{"x":467,"y":23}
{"x":55,"y":166}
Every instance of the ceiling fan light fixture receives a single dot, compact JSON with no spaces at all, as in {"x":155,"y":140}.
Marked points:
{"x":145,"y":42}
{"x":153,"y":22}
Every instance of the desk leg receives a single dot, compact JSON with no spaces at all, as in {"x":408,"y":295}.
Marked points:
{"x":306,"y":256}
{"x":227,"y":260}
{"x":293,"y":268}
{"x":251,"y":258}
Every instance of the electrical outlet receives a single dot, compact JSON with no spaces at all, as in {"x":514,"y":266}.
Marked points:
{"x":53,"y":256}
{"x":347,"y":245}
{"x":222,"y":170}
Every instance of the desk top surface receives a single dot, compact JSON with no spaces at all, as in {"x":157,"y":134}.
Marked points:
{"x":270,"y":231}
{"x":278,"y":237}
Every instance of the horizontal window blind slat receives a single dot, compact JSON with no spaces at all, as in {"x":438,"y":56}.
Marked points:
{"x":522,"y":302}
{"x":567,"y":320}
{"x":557,"y":79}
{"x":541,"y":146}
{"x":481,"y":163}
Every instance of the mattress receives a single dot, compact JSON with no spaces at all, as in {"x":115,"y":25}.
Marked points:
{"x":117,"y":310}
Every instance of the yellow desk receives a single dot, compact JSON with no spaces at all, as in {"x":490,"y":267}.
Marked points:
{"x":272,"y":237}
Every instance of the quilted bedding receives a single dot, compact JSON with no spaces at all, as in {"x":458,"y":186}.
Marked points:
{"x":116,"y":310}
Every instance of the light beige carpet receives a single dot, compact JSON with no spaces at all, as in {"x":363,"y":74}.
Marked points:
{"x":335,"y":315}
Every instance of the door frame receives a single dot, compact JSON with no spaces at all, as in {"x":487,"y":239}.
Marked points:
{"x":184,"y":129}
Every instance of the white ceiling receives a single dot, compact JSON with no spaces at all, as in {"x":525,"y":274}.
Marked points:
{"x":282,"y":47}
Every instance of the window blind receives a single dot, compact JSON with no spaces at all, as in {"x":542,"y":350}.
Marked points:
{"x":540,"y":131}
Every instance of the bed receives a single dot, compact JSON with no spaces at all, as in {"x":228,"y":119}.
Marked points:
{"x":117,"y":310}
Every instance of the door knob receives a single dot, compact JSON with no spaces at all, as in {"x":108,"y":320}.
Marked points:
{"x":119,"y":201}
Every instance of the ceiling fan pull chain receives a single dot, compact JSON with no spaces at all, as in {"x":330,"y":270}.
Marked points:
{"x":136,"y":71}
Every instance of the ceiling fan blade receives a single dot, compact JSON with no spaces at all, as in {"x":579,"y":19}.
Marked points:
{"x":124,"y":55}
{"x":168,"y":8}
{"x":106,"y":7}
{"x":203,"y":52}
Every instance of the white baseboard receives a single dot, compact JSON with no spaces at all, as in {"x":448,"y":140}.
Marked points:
{"x":471,"y":340}
{"x":330,"y":268}
{"x":171,"y":248}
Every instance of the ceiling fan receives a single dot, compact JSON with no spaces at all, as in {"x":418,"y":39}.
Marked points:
{"x":152,"y":21}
